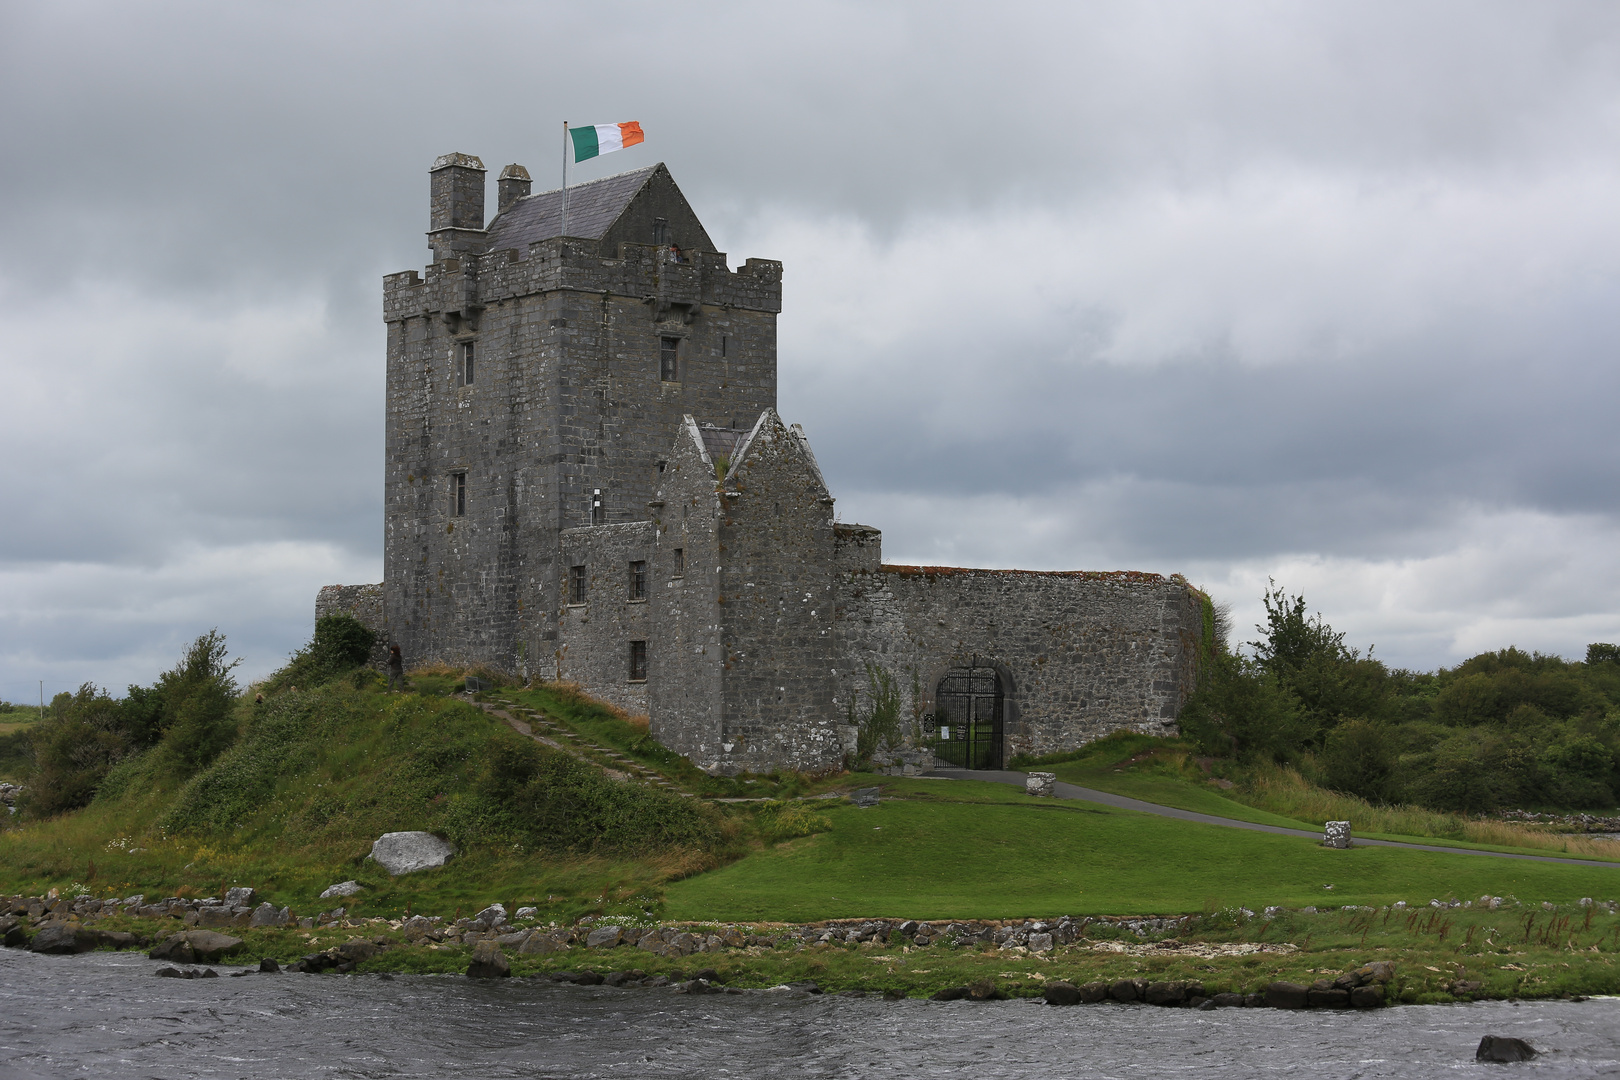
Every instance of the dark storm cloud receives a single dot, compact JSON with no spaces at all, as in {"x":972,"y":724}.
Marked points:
{"x":1229,"y":286}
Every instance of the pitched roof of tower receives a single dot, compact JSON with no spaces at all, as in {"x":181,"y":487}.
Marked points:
{"x":594,"y":207}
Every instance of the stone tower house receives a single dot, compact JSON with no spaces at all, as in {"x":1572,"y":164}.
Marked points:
{"x":587,"y":479}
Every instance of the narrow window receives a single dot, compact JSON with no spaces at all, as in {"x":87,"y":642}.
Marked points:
{"x":680,"y":562}
{"x":458,"y":494}
{"x":660,"y":231}
{"x":722,"y":346}
{"x":669,"y":359}
{"x":466,"y":363}
{"x":638,"y":580}
{"x":638,"y":661}
{"x":576,"y":584}
{"x":598,"y":511}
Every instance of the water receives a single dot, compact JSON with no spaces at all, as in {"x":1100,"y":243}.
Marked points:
{"x":104,"y":1015}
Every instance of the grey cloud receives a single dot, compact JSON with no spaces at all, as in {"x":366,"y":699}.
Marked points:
{"x":1272,"y":282}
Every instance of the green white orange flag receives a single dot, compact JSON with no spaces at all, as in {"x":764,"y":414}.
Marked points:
{"x":599,"y":139}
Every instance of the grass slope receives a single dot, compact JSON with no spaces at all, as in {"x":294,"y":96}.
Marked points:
{"x":962,"y":849}
{"x":318,"y":774}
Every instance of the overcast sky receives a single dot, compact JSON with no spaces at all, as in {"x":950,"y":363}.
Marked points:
{"x":1324,"y":292}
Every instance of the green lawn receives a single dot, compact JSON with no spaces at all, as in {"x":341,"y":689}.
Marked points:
{"x":1168,"y":791}
{"x":963,"y":849}
{"x":1156,"y":787}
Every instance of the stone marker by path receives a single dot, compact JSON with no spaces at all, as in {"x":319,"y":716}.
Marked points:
{"x":864,"y":797}
{"x":1336,"y":834}
{"x":1040,"y":784}
{"x":407,"y":852}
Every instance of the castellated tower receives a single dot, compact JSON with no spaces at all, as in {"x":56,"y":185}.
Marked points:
{"x":536,"y":383}
{"x":587,"y":480}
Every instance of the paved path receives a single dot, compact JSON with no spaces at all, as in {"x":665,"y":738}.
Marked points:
{"x":1072,"y":791}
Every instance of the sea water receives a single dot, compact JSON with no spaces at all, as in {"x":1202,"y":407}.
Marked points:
{"x":106,"y":1015}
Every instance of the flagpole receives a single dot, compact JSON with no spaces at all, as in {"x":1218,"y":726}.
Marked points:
{"x":564,"y":230}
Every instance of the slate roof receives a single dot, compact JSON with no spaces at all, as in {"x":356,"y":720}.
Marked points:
{"x":593,"y":207}
{"x":719,"y":442}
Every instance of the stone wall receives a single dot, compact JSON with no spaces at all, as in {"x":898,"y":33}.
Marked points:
{"x":594,"y":637}
{"x":776,"y":600}
{"x":687,"y":660}
{"x":1080,"y":654}
{"x":365,"y":603}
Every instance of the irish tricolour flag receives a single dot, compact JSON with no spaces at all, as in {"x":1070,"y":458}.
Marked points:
{"x":604,"y":139}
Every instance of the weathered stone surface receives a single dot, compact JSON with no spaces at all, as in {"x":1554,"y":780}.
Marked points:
{"x":1039,"y":943}
{"x":953,"y":993}
{"x":1227,"y":1001}
{"x":1502,"y":1048}
{"x":1093,"y":992}
{"x":1287,"y":995}
{"x":60,"y":938}
{"x":488,"y":962}
{"x":345,"y":888}
{"x":1165,"y":993}
{"x":1040,"y":784}
{"x":541,"y":943}
{"x":1367,"y":997}
{"x":1128,"y":990}
{"x":494,"y":915}
{"x":1336,"y":834}
{"x":866,"y":796}
{"x":221,"y":916}
{"x":210,"y":946}
{"x":1058,"y":992}
{"x":604,"y":937}
{"x":1327,"y":999}
{"x":176,"y":949}
{"x":408,"y":852}
{"x":268,"y":966}
{"x":16,"y":938}
{"x":240,"y":896}
{"x":358,"y":950}
{"x":267,"y":914}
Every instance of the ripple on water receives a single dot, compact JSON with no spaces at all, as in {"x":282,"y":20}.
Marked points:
{"x":104,"y":1014}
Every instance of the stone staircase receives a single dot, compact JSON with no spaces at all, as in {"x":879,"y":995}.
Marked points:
{"x":548,"y":730}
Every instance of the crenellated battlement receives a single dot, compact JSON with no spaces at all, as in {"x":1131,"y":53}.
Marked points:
{"x":646,"y":272}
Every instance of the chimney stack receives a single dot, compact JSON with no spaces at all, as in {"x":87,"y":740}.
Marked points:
{"x":512,"y":186}
{"x":456,"y":221}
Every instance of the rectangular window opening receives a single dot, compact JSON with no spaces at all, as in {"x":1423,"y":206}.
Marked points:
{"x":722,"y":346}
{"x":458,"y":494}
{"x":638,"y":580}
{"x":679,"y":562}
{"x":466,"y":363}
{"x":669,"y":359}
{"x":576,"y":584}
{"x":638,"y":661}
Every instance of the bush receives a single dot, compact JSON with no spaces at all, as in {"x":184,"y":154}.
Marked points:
{"x":341,"y":643}
{"x":73,"y":749}
{"x":198,"y":695}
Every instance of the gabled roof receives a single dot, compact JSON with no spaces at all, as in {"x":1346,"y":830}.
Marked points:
{"x":593,"y":207}
{"x":721,"y":442}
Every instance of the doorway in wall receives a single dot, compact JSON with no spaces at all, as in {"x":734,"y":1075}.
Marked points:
{"x":969,"y":707}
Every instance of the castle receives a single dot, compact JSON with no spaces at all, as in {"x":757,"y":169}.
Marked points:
{"x":586,"y":479}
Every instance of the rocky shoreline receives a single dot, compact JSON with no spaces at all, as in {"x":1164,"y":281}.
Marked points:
{"x":187,"y":932}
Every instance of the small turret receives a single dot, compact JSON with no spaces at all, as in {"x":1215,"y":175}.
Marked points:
{"x":513,"y":185}
{"x":456,"y":220}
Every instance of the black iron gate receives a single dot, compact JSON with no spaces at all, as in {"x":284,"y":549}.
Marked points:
{"x":968,"y":712}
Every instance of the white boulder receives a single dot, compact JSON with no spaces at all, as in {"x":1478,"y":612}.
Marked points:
{"x":406,"y":852}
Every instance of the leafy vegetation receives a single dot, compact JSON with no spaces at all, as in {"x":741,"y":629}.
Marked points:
{"x":1502,"y":729}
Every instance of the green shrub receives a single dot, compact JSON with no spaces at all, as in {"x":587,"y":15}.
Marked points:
{"x":72,"y":750}
{"x":778,"y":821}
{"x":340,"y":644}
{"x":198,"y":695}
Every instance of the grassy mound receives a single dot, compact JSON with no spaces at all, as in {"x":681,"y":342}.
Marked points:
{"x":316,"y":775}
